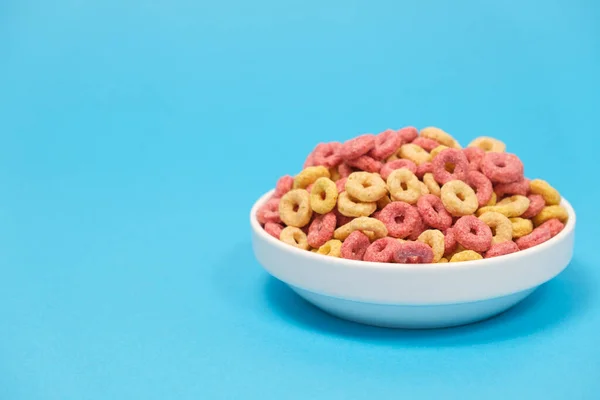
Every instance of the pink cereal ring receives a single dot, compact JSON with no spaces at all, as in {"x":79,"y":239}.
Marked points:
{"x":473,"y":234}
{"x":382,"y":250}
{"x":503,"y":248}
{"x":284,"y":185}
{"x":474,"y":155}
{"x":340,"y":184}
{"x":426,"y":143}
{"x":536,"y":204}
{"x":424,"y":168}
{"x":321,"y":229}
{"x":419,"y":228}
{"x":399,"y":218}
{"x":450,"y":242}
{"x":408,"y":134}
{"x":553,"y":225}
{"x":539,"y":235}
{"x":520,"y":187}
{"x":413,"y":253}
{"x":355,"y":246}
{"x":502,"y":167}
{"x":359,"y":146}
{"x":269,"y":212}
{"x":345,"y":170}
{"x":433,"y":212}
{"x":365,"y":163}
{"x":386,"y":144}
{"x":327,"y":154}
{"x":481,"y":185}
{"x":273,"y":229}
{"x":453,"y":157}
{"x":391,"y":166}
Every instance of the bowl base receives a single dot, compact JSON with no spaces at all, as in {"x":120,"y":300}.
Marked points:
{"x":412,"y":316}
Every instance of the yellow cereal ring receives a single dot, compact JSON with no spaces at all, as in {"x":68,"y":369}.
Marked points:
{"x":512,"y":206}
{"x":459,"y":198}
{"x":294,"y":208}
{"x":384,"y":201}
{"x":334,"y":174}
{"x":331,"y":248}
{"x":493,"y":200}
{"x":314,"y":250}
{"x":431,"y":183}
{"x":434,"y":239}
{"x":352,"y":208}
{"x":403,"y":185}
{"x":366,"y":187}
{"x":501,"y":227}
{"x":371,"y":227}
{"x":488,"y":144}
{"x":443,"y":260}
{"x":424,"y":188}
{"x":414,"y":153}
{"x":521,"y":227}
{"x":439,"y":136}
{"x":295,"y":237}
{"x":309,"y":175}
{"x":543,"y":188}
{"x":323,"y":195}
{"x":466,"y":255}
{"x":437,"y":150}
{"x":550,"y":212}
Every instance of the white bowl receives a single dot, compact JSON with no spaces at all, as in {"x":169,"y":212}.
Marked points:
{"x":413,"y":295}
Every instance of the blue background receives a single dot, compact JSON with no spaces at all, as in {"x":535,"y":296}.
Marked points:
{"x":135,"y":136}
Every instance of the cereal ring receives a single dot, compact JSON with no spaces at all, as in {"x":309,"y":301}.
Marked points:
{"x":332,"y":248}
{"x":366,"y":187}
{"x":458,"y":198}
{"x":334,"y":174}
{"x":432,"y":185}
{"x":501,"y":226}
{"x":466,"y":255}
{"x":408,"y":134}
{"x":520,"y":187}
{"x":481,"y":185}
{"x":294,"y":208}
{"x":309,"y":175}
{"x":520,"y":227}
{"x":387,"y":168}
{"x":327,"y":154}
{"x":273,"y":229}
{"x":284,"y":185}
{"x":359,"y":146}
{"x":414,"y":153}
{"x":424,"y":188}
{"x":403,"y":185}
{"x":500,"y":249}
{"x":432,"y":211}
{"x":437,"y":150}
{"x":472,"y":233}
{"x":365,"y":163}
{"x":443,"y":260}
{"x":345,"y":170}
{"x":353,"y":208}
{"x":321,"y":229}
{"x":371,"y":227}
{"x":269,"y":212}
{"x":550,"y":212}
{"x":295,"y":237}
{"x":543,"y":188}
{"x":424,"y":169}
{"x":382,"y":250}
{"x":502,"y":167}
{"x":323,"y":196}
{"x":355,"y":246}
{"x":434,"y":239}
{"x":420,"y":228}
{"x":340,"y":185}
{"x":553,"y":225}
{"x":400,"y":219}
{"x":474,"y":155}
{"x":452,"y":159}
{"x":439,"y":136}
{"x":513,"y":206}
{"x":493,"y":200}
{"x":537,"y":236}
{"x":382,"y":202}
{"x":386,"y":144}
{"x":425,"y":143}
{"x":413,"y":253}
{"x":488,"y":144}
{"x":536,"y":204}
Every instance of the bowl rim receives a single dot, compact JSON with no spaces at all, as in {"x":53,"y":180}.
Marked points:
{"x":258,"y":229}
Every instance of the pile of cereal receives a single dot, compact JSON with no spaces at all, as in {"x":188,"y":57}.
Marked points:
{"x":412,"y":197}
